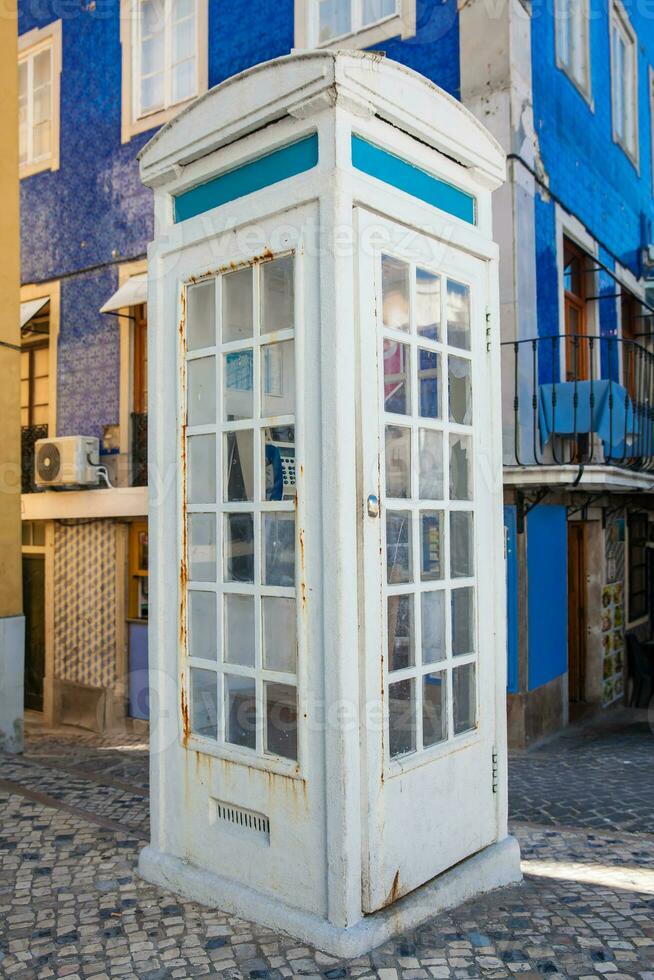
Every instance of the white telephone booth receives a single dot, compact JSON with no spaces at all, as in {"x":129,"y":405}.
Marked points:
{"x":327,"y":582}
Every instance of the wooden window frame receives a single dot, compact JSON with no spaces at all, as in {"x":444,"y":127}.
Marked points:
{"x":578,"y":357}
{"x":136,"y":571}
{"x":132,"y":120}
{"x":31,"y":44}
{"x":30,"y":349}
{"x":619,"y":22}
{"x":139,"y":378}
{"x":562,"y":22}
{"x":402,"y":23}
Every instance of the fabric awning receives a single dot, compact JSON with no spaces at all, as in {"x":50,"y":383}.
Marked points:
{"x":131,"y":293}
{"x":29,"y":309}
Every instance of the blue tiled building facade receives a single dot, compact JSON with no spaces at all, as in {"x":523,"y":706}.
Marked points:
{"x":566,"y":87}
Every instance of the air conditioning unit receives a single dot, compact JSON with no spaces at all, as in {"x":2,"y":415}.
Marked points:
{"x":70,"y":461}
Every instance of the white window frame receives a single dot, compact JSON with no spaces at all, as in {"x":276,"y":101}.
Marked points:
{"x":402,"y":23}
{"x":573,"y":43}
{"x":619,"y":21}
{"x":132,"y":121}
{"x":31,"y":44}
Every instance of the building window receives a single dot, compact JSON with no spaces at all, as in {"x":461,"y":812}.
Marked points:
{"x":164,"y":59}
{"x":624,"y":81}
{"x":39,"y":68}
{"x":637,"y":566}
{"x":577,"y":350}
{"x":632,"y":325}
{"x":573,"y":41}
{"x":138,"y":570}
{"x":352,"y":23}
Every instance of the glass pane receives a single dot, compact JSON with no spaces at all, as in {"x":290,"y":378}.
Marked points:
{"x":395,"y":293}
{"x":434,"y":714}
{"x":241,"y":711}
{"x":402,"y":717}
{"x":463,"y":621}
{"x":151,"y":56}
{"x":202,"y":622}
{"x":204,"y":703}
{"x":460,"y":468}
{"x":397,"y":397}
{"x":277,"y":295}
{"x":239,"y":630}
{"x":431,"y":545}
{"x":432,"y":606}
{"x":202,"y":469}
{"x":239,"y":402}
{"x":201,"y":383}
{"x":431,"y":464}
{"x":398,"y":461}
{"x":239,"y":548}
{"x":152,"y":92}
{"x":464,"y":698}
{"x":461,"y":542}
{"x":183,"y":39}
{"x":41,"y":140}
{"x":279,"y":634}
{"x":238,"y":316}
{"x":278,"y":379}
{"x":41,"y":105}
{"x":458,"y":315}
{"x":398,"y":546}
{"x":400,"y":632}
{"x":184,"y":81}
{"x":202,"y":547}
{"x":201,"y":315}
{"x":428,"y":304}
{"x":460,"y":386}
{"x":42,"y":68}
{"x":429,"y":384}
{"x":279,"y":463}
{"x":279,"y":549}
{"x":376,"y":9}
{"x":335,"y":19}
{"x":238,"y":448}
{"x":281,"y":720}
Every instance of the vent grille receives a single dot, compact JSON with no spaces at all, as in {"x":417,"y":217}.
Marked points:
{"x":242,"y":819}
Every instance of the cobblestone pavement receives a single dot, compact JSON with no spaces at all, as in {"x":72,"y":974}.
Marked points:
{"x":598,"y":776}
{"x":72,"y":905}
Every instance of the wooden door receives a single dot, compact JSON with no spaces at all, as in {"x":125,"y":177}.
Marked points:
{"x":576,"y":612}
{"x":577,"y":353}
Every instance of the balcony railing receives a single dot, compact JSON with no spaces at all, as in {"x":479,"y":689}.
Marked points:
{"x":580,"y":400}
{"x":139,"y":449}
{"x":29,"y":435}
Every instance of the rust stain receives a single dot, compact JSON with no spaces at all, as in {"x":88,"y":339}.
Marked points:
{"x":395,"y":889}
{"x":186,"y":723}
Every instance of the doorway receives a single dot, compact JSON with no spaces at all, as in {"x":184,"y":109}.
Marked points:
{"x":426,"y":647}
{"x":577,"y":613}
{"x":34,"y":606}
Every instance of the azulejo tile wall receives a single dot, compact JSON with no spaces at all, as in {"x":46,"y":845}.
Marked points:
{"x":85,"y":602}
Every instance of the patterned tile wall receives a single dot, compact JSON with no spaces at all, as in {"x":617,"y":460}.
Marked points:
{"x":85,"y":603}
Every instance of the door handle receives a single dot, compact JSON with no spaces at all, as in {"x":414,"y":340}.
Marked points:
{"x":372,"y":505}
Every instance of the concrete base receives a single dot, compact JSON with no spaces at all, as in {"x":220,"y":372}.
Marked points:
{"x":494,"y":867}
{"x":12,"y":672}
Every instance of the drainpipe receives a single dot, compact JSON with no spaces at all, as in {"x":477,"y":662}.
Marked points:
{"x":12,"y":621}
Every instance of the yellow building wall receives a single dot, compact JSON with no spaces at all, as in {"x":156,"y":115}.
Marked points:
{"x":10,"y":557}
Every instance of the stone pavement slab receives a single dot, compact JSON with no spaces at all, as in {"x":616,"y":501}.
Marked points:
{"x":600,"y":776}
{"x":72,"y":904}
